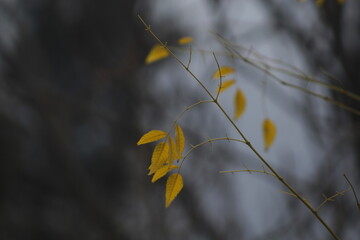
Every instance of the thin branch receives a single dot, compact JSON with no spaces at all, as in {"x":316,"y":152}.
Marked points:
{"x":331,"y":199}
{"x":148,"y":28}
{"x":276,"y":78}
{"x":299,"y":76}
{"x":182,"y":113}
{"x":353,"y":190}
{"x":188,"y":65}
{"x":249,"y":171}
{"x":193,"y":147}
{"x":262,"y":159}
{"x":188,"y":108}
{"x":266,"y":68}
{"x":219,"y":69}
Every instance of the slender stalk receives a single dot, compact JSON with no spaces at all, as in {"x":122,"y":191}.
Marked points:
{"x":272,"y":170}
{"x":353,"y":190}
{"x":269,"y":73}
{"x":328,"y":199}
{"x":193,"y":147}
{"x":249,"y":171}
{"x":299,"y":76}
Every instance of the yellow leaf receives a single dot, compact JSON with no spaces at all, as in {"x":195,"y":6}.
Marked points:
{"x":319,"y":3}
{"x":269,"y":132}
{"x":240,"y":104}
{"x":225,"y":85}
{"x":159,"y":157}
{"x":162,"y":172}
{"x":340,"y":1}
{"x":185,"y":40}
{"x":156,"y":53}
{"x":173,"y":155}
{"x":223,"y":71}
{"x":179,"y":141}
{"x":152,"y":136}
{"x":174,"y":184}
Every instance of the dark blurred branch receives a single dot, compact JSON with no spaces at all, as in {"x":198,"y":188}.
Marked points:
{"x":353,"y":190}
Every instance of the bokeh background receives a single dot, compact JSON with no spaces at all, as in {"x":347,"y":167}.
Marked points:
{"x":76,"y":95}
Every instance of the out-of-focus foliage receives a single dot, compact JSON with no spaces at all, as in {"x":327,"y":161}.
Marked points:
{"x":156,"y":53}
{"x":225,"y":85}
{"x":222,"y":72}
{"x":269,"y":132}
{"x":185,"y":40}
{"x":239,"y":103}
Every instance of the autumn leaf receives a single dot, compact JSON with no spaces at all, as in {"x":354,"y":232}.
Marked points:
{"x":225,"y":85}
{"x":156,"y":53}
{"x":340,"y":1}
{"x":174,"y":184}
{"x":179,"y":140}
{"x":240,"y":104}
{"x":162,"y":172}
{"x":185,"y":40}
{"x":173,"y":155}
{"x":159,"y":157}
{"x":223,"y":71}
{"x":152,"y":136}
{"x":269,"y":133}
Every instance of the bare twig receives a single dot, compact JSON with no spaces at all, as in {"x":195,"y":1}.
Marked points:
{"x":249,"y":171}
{"x":330,"y":199}
{"x":353,"y":190}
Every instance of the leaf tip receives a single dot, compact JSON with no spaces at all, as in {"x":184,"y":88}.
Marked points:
{"x":174,"y":185}
{"x":151,"y":136}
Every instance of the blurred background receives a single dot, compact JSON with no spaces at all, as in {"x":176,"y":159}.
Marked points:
{"x":76,"y":95}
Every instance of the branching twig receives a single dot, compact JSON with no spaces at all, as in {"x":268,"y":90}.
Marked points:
{"x":300,"y":75}
{"x":330,"y":199}
{"x":261,"y":158}
{"x":193,"y":147}
{"x":287,"y":84}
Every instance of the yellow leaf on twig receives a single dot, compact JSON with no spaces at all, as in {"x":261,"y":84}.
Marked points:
{"x":225,"y":85}
{"x":185,"y":40}
{"x":179,"y":141}
{"x":173,"y":155}
{"x":159,"y":157}
{"x":269,"y":132}
{"x":174,"y":184}
{"x":152,"y":136}
{"x":162,"y":172}
{"x":156,"y":53}
{"x":240,"y":104}
{"x":223,"y":71}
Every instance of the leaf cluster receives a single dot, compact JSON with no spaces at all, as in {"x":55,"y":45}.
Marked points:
{"x":162,"y":161}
